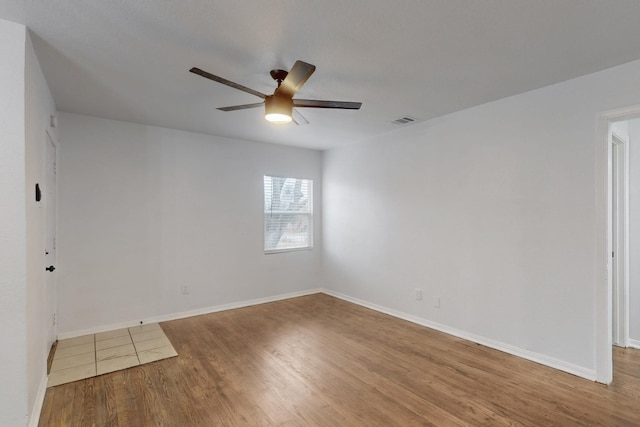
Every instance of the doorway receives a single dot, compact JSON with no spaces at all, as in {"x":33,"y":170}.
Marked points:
{"x":615,"y":285}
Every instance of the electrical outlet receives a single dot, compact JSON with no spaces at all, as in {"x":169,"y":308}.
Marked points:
{"x":436,"y":302}
{"x":185,"y":289}
{"x":418,"y":294}
{"x":53,"y":321}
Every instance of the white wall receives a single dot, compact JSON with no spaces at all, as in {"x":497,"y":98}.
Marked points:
{"x":621,"y":128}
{"x":144,"y":210}
{"x":634,"y":231}
{"x":39,"y":107}
{"x":16,"y":390}
{"x":493,"y":209}
{"x":25,"y":107}
{"x":13,"y":364}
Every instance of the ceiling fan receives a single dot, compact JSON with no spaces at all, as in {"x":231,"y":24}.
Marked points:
{"x":279,"y":106}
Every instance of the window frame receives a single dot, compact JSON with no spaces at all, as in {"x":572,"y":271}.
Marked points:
{"x":309,"y":214}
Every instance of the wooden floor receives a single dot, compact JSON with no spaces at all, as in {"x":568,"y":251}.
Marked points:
{"x":320,"y":361}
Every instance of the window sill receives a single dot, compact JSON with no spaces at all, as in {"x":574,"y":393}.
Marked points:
{"x":279,"y":251}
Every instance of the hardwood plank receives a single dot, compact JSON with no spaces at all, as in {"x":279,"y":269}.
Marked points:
{"x":321,"y":361}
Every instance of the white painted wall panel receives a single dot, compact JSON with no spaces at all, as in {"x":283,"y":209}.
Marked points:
{"x":14,"y":409}
{"x":492,"y":209}
{"x":144,"y":210}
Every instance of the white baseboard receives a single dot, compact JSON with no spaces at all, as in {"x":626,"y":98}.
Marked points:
{"x":634,"y":343}
{"x":34,"y":417}
{"x":184,"y":314}
{"x":542,"y":359}
{"x":580,"y":371}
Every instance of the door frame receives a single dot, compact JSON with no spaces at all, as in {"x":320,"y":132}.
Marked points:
{"x":51,"y":283}
{"x":620,"y":239}
{"x":604,"y":290}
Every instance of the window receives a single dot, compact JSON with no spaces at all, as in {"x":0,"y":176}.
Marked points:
{"x":288,"y":214}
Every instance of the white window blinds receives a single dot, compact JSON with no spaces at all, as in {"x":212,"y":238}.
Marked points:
{"x":288,"y":213}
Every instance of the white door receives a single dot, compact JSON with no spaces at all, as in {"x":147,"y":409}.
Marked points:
{"x":49,"y":199}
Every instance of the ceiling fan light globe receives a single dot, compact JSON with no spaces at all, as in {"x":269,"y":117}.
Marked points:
{"x":277,"y":118}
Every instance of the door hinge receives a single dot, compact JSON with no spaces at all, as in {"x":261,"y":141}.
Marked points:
{"x":613,"y":254}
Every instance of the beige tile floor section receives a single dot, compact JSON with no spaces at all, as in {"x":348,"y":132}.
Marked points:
{"x":91,"y":355}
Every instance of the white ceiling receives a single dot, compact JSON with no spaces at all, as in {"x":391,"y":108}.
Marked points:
{"x":129,"y":60}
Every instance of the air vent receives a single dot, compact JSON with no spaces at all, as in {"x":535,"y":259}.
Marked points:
{"x":404,"y":120}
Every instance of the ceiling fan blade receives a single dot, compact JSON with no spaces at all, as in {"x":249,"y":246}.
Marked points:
{"x":218,"y":79}
{"x":242,"y":107}
{"x":298,"y":75}
{"x":298,"y":118}
{"x":313,"y":103}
